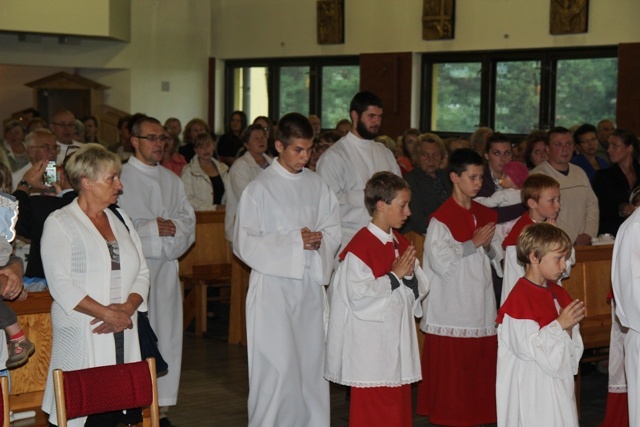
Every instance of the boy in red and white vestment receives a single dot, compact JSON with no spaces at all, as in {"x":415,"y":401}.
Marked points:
{"x":539,"y":342}
{"x":460,"y":347}
{"x":375,"y":293}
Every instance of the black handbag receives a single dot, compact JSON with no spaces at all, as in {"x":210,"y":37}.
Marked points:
{"x":149,"y":342}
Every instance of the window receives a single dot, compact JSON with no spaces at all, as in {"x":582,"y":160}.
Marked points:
{"x":456,"y":100}
{"x":322,"y":86}
{"x":586,"y":90}
{"x":339,"y":84}
{"x":517,"y":92}
{"x":294,"y":90}
{"x":517,"y":96}
{"x":250,"y":93}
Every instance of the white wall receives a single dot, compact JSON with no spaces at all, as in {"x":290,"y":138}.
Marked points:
{"x":170,"y":41}
{"x":97,"y":18}
{"x":280,"y":28}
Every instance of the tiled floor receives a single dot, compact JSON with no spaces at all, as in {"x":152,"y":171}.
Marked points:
{"x":213,"y":389}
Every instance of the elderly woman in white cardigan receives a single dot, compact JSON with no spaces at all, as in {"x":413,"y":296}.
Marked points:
{"x":97,"y":276}
{"x":205,"y":178}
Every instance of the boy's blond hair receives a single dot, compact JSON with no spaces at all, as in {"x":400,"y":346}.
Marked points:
{"x":540,"y":239}
{"x":534,"y":185}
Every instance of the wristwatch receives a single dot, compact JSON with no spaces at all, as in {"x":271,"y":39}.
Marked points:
{"x":25,"y":183}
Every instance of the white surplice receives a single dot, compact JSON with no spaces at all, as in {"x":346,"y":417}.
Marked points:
{"x":534,"y":385}
{"x":461,"y":302}
{"x":285,"y":303}
{"x":346,"y":167}
{"x":372,"y":339}
{"x":151,"y":192}
{"x":625,"y":276}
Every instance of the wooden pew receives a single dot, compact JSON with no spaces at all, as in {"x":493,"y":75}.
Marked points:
{"x":590,"y":281}
{"x":207,"y":263}
{"x":28,"y":381}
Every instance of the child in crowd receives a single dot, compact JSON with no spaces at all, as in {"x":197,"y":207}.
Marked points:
{"x":460,"y":347}
{"x":515,"y":173}
{"x":539,"y":342}
{"x":20,"y":348}
{"x":541,"y":196}
{"x":375,"y":294}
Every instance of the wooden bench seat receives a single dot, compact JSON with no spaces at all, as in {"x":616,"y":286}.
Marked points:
{"x":199,"y":280}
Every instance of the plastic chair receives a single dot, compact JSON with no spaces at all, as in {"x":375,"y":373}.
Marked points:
{"x":4,"y":401}
{"x":107,"y":388}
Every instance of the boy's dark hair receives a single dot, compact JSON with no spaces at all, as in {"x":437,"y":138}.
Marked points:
{"x":382,"y":186}
{"x":540,"y":239}
{"x":534,"y":185}
{"x":293,"y":125}
{"x":363,"y":100}
{"x":462,"y":158}
{"x":585,"y":128}
{"x":496,"y":138}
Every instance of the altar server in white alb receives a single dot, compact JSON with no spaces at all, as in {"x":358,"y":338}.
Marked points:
{"x":539,"y":342}
{"x":372,"y":344}
{"x":625,"y":277}
{"x":155,"y":199}
{"x":349,"y":163}
{"x":287,"y":230}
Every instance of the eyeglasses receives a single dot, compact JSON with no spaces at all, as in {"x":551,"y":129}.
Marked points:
{"x":64,"y":125}
{"x":55,"y":148}
{"x":154,"y":138}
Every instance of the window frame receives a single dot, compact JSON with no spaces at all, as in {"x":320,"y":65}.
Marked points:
{"x":489,"y":60}
{"x":273,"y":66}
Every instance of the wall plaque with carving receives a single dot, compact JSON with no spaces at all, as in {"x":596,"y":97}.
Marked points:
{"x":438,"y":19}
{"x":569,"y":16}
{"x":330,"y":21}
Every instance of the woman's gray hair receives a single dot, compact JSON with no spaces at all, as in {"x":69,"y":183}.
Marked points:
{"x":427,"y":138}
{"x":90,"y":161}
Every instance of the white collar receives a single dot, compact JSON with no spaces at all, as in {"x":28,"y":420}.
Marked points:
{"x":382,"y":235}
{"x":284,"y":172}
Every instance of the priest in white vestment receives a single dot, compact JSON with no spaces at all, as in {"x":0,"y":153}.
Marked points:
{"x":287,"y":230}
{"x":349,"y":163}
{"x":155,"y":199}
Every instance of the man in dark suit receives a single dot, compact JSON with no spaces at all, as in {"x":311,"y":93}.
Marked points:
{"x":34,"y":210}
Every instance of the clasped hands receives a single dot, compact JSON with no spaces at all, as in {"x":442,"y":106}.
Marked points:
{"x":483,"y":236}
{"x":311,"y":240}
{"x":116,"y":319}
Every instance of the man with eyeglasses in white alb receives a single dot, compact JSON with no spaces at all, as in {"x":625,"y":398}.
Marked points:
{"x":155,"y":200}
{"x":62,"y":124}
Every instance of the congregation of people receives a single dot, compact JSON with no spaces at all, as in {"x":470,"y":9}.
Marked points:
{"x":327,"y":218}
